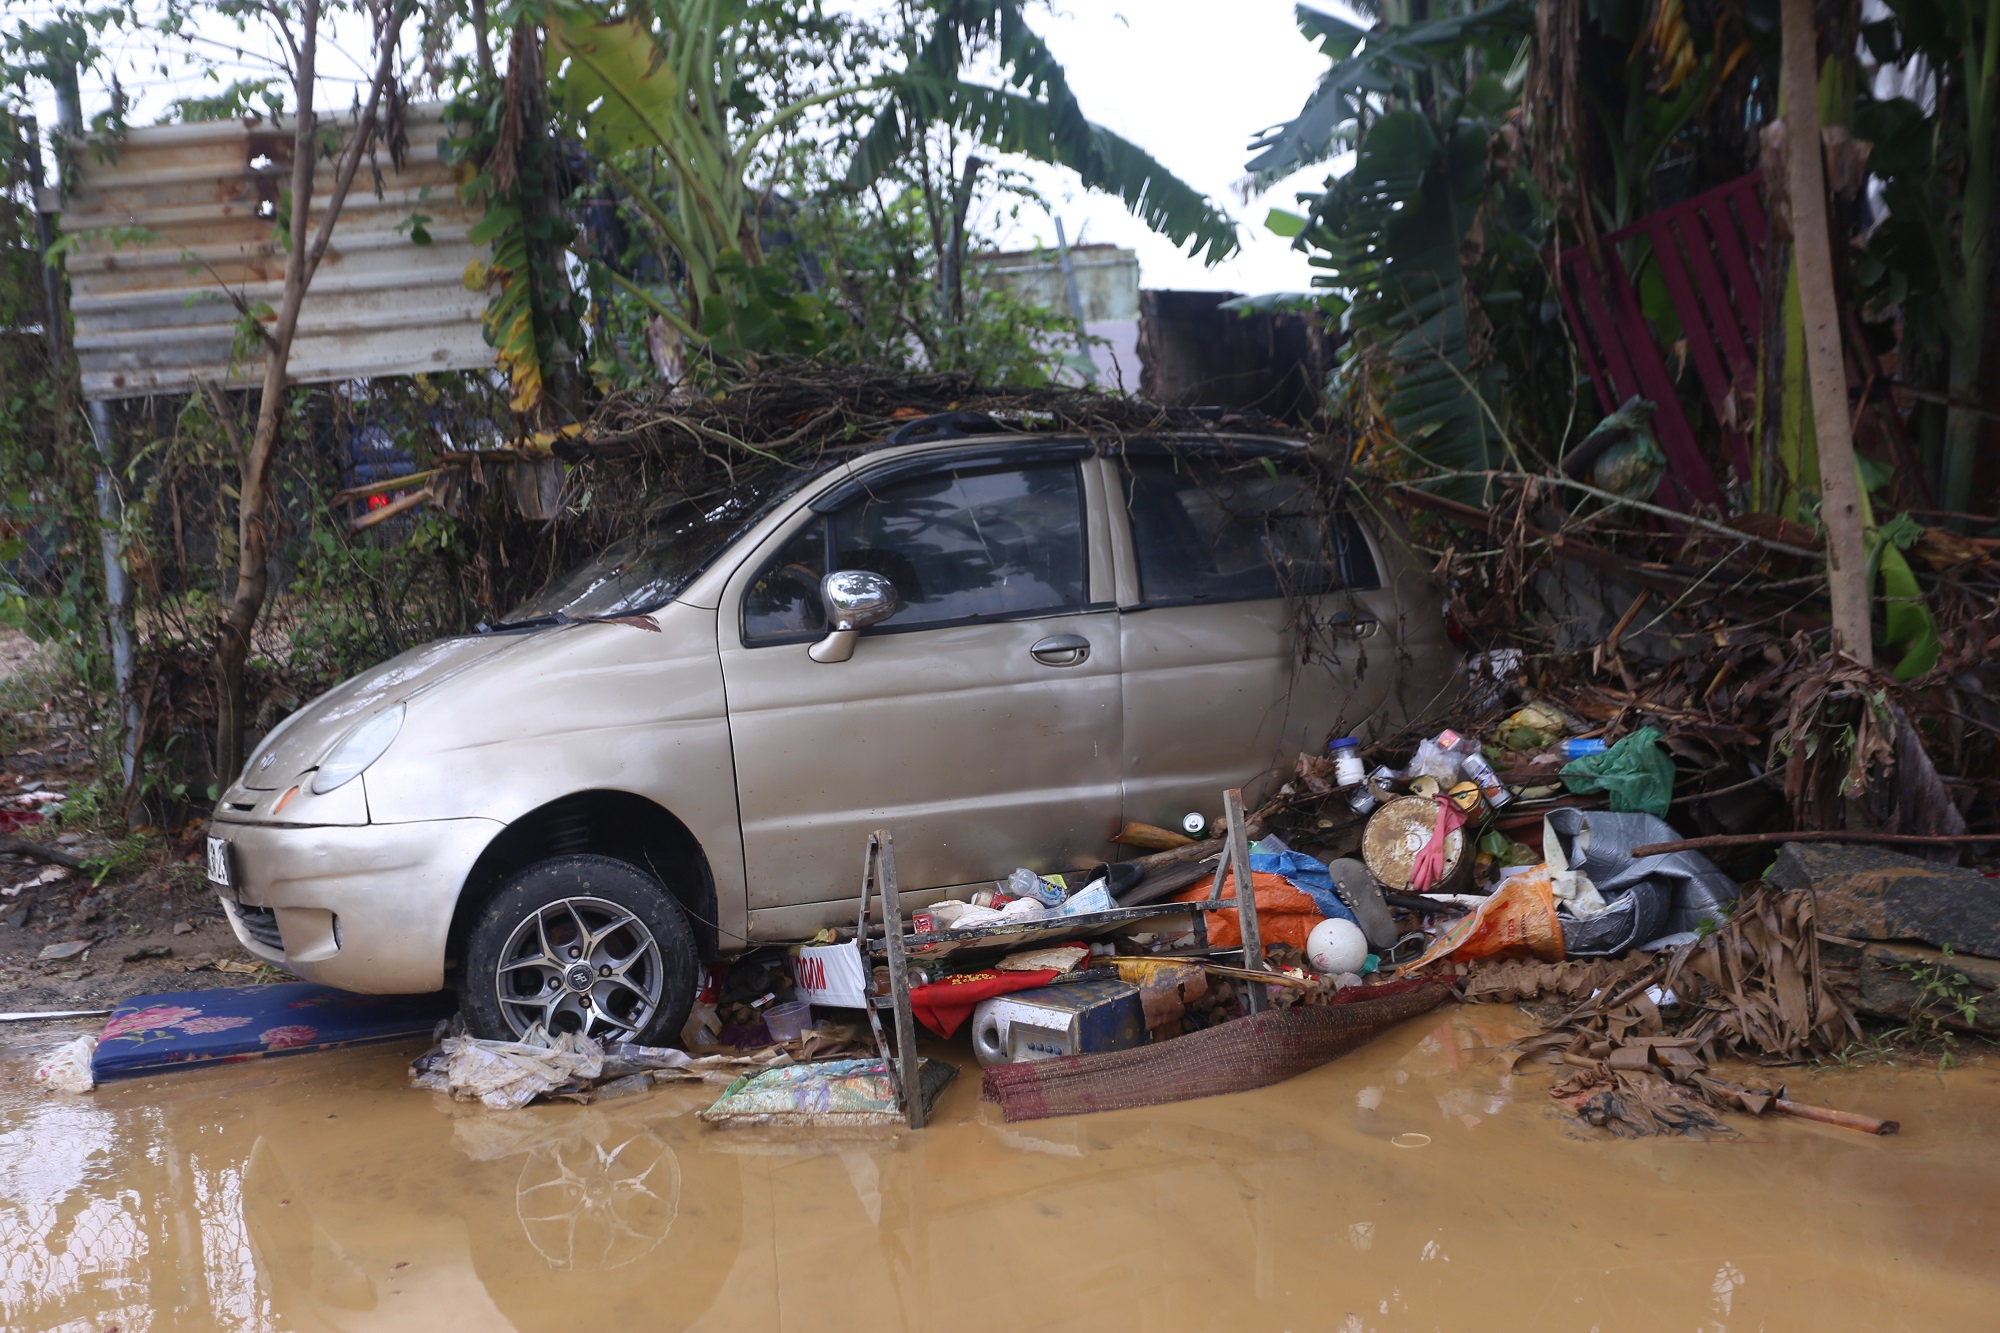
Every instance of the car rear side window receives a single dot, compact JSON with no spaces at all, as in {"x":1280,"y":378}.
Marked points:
{"x":1206,"y":528}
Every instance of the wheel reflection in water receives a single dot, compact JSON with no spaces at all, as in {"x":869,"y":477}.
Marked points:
{"x":589,"y":1207}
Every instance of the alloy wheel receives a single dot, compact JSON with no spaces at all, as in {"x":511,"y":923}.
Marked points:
{"x":583,"y":965}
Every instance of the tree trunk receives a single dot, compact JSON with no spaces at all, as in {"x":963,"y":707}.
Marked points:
{"x":306,"y":247}
{"x":1969,"y":303}
{"x":954,"y":254}
{"x":1826,"y":371}
{"x":541,"y":207}
{"x":482,"y":44}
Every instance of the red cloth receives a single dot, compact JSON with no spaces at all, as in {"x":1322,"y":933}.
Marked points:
{"x":943,"y":1006}
{"x":1428,"y":867}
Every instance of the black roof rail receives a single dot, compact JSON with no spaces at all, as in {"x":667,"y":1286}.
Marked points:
{"x":944,"y":426}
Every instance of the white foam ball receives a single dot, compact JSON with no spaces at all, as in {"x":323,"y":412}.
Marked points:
{"x":1337,"y":945}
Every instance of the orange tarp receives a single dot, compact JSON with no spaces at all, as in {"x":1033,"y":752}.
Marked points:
{"x":1284,"y":915}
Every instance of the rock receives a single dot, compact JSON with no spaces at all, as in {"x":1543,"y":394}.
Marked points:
{"x":1881,"y":981}
{"x":66,"y":949}
{"x":19,"y":916}
{"x":183,"y":928}
{"x":87,"y":910}
{"x":1867,"y":893}
{"x":69,"y":839}
{"x":145,"y":951}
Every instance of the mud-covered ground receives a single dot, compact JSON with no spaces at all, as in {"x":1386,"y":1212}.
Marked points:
{"x":136,"y":918}
{"x":1414,"y":1184}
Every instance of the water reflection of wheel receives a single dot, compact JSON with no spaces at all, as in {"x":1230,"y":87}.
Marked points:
{"x":541,"y":1272}
{"x":592,"y":1206}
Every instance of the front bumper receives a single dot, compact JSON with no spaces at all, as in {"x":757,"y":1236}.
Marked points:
{"x":363,"y":908}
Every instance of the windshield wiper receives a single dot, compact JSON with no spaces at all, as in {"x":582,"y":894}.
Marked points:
{"x":532,"y":622}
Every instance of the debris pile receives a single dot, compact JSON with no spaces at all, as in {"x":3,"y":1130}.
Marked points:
{"x":507,"y":1075}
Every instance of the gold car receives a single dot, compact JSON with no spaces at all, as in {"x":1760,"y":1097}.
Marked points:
{"x":999,"y":647}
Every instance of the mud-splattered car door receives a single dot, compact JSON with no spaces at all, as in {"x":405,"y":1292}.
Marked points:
{"x":979,"y":724}
{"x":1249,"y":627}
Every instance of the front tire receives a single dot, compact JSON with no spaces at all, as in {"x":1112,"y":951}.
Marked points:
{"x":583,"y":944}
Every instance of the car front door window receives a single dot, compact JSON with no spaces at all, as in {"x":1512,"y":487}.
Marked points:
{"x":964,"y":547}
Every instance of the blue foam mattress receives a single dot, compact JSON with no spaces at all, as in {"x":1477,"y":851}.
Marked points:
{"x":149,"y":1034}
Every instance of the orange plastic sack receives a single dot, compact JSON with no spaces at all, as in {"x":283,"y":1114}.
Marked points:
{"x":1518,"y":921}
{"x":1284,"y":915}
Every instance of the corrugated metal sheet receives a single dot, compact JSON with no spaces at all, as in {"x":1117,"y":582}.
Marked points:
{"x":152,"y":317}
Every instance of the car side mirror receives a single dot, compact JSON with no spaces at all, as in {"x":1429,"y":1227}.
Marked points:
{"x":854,"y":599}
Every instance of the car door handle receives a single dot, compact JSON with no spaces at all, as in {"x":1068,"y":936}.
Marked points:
{"x":1061,"y":650}
{"x":1355,"y":626}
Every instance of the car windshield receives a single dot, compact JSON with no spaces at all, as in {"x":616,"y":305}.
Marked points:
{"x":650,"y":568}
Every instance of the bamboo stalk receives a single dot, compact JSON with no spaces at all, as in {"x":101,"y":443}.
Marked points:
{"x":353,"y":493}
{"x":1829,"y":835}
{"x":1826,"y":1115}
{"x":390,"y":510}
{"x":1251,"y":974}
{"x":1826,"y":369}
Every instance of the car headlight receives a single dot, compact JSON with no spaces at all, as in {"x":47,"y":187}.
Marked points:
{"x":358,"y":749}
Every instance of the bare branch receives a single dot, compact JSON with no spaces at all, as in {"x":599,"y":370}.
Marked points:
{"x":357,"y":146}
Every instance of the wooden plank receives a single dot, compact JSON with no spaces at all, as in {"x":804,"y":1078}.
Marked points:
{"x":1608,"y":333}
{"x":1255,"y":998}
{"x":1706,"y":317}
{"x":1687,"y":477}
{"x":1587,"y":343}
{"x":899,"y":979}
{"x":1722,"y":300}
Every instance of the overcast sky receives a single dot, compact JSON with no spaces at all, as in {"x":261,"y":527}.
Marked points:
{"x":1190,"y":81}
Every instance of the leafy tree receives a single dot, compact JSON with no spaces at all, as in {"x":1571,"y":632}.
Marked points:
{"x":686,"y":107}
{"x":1419,"y":104}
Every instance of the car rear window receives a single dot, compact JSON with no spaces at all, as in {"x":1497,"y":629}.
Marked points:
{"x":1209,"y":528}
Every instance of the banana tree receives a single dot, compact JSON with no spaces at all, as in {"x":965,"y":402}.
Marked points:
{"x":1415,"y":104}
{"x":1035,"y":116}
{"x":675,"y":91}
{"x":1933,"y":257}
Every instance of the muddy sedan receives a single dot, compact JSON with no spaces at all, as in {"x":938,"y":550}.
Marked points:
{"x":999,"y":647}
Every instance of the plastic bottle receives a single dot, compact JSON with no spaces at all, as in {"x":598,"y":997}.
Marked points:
{"x":1347,"y":769}
{"x":1577,"y":747}
{"x":1027,"y":884}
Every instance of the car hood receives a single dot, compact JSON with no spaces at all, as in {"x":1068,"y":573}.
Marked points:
{"x":302,"y":740}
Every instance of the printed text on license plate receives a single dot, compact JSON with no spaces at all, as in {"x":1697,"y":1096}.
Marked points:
{"x":218,"y":861}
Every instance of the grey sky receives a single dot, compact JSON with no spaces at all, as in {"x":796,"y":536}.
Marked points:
{"x":1188,"y":80}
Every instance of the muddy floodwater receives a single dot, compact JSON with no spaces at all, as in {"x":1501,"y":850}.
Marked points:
{"x":1415,"y":1184}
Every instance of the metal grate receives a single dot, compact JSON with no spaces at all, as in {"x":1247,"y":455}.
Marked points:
{"x":261,"y":925}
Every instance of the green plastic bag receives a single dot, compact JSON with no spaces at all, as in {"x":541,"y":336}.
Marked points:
{"x":1637,"y":773}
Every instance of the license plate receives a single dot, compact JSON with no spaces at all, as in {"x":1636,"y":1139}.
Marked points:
{"x":218,"y":862}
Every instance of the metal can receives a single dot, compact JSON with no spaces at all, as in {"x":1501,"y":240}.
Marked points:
{"x":922,"y":923}
{"x":1466,"y":797}
{"x":1194,"y":824}
{"x":1372,"y":790}
{"x":1490,"y":786}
